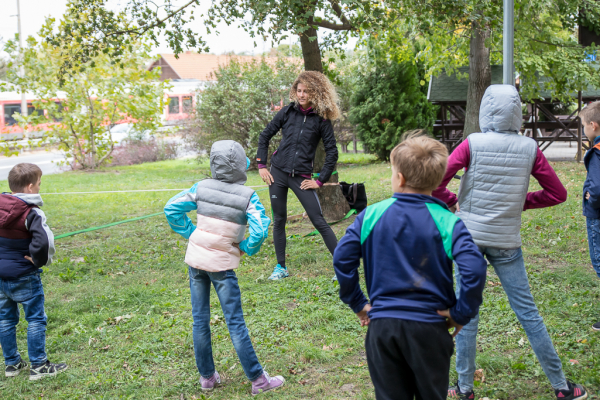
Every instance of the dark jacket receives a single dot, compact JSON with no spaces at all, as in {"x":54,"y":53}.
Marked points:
{"x":408,"y":244}
{"x":23,"y":232}
{"x":300,"y":137}
{"x":591,"y":207}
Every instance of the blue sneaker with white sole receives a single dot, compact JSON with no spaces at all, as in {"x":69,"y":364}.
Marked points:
{"x":279,"y":273}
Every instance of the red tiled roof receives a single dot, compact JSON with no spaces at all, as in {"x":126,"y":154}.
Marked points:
{"x":191,"y":65}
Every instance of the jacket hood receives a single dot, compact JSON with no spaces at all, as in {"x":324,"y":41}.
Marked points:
{"x":12,"y":207}
{"x":500,"y":110}
{"x":28,"y":198}
{"x":228,"y":162}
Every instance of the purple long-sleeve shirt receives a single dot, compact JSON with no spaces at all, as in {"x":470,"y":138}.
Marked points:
{"x":553,"y":192}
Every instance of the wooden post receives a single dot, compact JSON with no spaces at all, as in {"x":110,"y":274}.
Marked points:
{"x":443,"y":112}
{"x":535,"y":128}
{"x":579,"y":129}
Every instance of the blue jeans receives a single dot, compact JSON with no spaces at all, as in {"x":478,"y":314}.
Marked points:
{"x":228,"y":291}
{"x":510,"y":268}
{"x":28,"y":291}
{"x":593,"y":231}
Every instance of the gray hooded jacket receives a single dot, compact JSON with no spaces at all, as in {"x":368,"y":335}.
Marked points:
{"x":225,"y":196}
{"x":494,"y":188}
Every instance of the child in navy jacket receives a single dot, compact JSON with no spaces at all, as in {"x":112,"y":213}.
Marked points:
{"x":590,"y":119}
{"x":408,"y":244}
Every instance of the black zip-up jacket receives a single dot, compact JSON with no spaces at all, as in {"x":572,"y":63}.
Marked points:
{"x":300,"y":137}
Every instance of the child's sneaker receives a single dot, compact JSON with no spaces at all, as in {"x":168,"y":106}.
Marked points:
{"x":279,"y":273}
{"x":455,"y":393}
{"x":14,"y":370}
{"x":210,"y":383}
{"x":596,"y":326}
{"x":45,"y":370}
{"x":265,"y":383}
{"x":575,"y":392}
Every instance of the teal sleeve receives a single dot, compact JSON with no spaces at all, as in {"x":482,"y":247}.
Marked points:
{"x":176,"y":211}
{"x":259,"y":226}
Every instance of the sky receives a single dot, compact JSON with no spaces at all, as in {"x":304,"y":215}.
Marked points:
{"x":34,"y":12}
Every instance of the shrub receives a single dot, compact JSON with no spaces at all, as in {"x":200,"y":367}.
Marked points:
{"x":387,"y":102}
{"x":133,"y":151}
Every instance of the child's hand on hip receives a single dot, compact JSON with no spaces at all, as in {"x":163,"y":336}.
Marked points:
{"x":587,"y":195}
{"x":29,"y":259}
{"x":363,"y":315}
{"x":450,"y":323}
{"x":237,"y":246}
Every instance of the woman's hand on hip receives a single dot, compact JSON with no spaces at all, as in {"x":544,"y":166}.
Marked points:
{"x":266,"y":176}
{"x":309,"y":184}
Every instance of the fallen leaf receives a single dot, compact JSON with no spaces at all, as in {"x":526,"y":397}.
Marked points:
{"x":106,"y":347}
{"x":573,"y":362}
{"x":479,"y":376}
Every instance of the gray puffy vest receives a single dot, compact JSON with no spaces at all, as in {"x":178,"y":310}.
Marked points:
{"x":221,"y":200}
{"x":494,"y":188}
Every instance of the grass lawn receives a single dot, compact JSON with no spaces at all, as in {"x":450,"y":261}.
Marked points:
{"x":119,"y":311}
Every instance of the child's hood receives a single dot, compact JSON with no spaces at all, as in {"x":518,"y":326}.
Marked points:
{"x":12,"y":206}
{"x":228,"y":162}
{"x":500,"y":110}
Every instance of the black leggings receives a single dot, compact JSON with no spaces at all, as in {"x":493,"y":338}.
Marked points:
{"x":309,"y":200}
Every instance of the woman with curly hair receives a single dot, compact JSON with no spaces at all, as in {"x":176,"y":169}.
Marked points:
{"x":303,"y":123}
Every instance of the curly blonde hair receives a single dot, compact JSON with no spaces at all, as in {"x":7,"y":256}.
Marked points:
{"x":321,"y":94}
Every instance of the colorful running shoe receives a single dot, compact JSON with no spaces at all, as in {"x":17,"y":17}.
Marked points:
{"x":210,"y":383}
{"x":455,"y":393}
{"x":279,"y":273}
{"x":596,"y":326}
{"x":265,"y":383}
{"x":14,"y":370}
{"x":47,"y":369}
{"x":575,"y":392}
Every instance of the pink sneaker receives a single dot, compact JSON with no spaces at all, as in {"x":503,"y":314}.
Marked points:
{"x":210,"y":383}
{"x":265,"y":383}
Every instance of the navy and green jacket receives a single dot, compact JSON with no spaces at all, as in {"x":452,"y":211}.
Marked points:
{"x":591,"y":206}
{"x":408,"y":244}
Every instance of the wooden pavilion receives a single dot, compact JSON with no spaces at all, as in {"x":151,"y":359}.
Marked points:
{"x":543,"y":119}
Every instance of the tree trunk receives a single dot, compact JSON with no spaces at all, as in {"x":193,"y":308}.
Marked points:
{"x":480,"y":75}
{"x":310,"y":49}
{"x":333,"y":202}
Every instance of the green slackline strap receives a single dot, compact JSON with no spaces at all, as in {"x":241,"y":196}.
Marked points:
{"x":316,"y":232}
{"x":95,"y":228}
{"x":315,"y":175}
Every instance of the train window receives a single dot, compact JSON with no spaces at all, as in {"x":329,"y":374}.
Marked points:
{"x":188,"y":105}
{"x":59,"y":107}
{"x":32,"y":110}
{"x":9,"y":110}
{"x":173,"y":105}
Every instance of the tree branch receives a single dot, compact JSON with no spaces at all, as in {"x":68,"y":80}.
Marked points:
{"x":338,"y":11}
{"x":155,"y":24}
{"x":323,"y":23}
{"x":335,"y":27}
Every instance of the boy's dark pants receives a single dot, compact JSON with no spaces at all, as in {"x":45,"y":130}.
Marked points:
{"x":409,"y":359}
